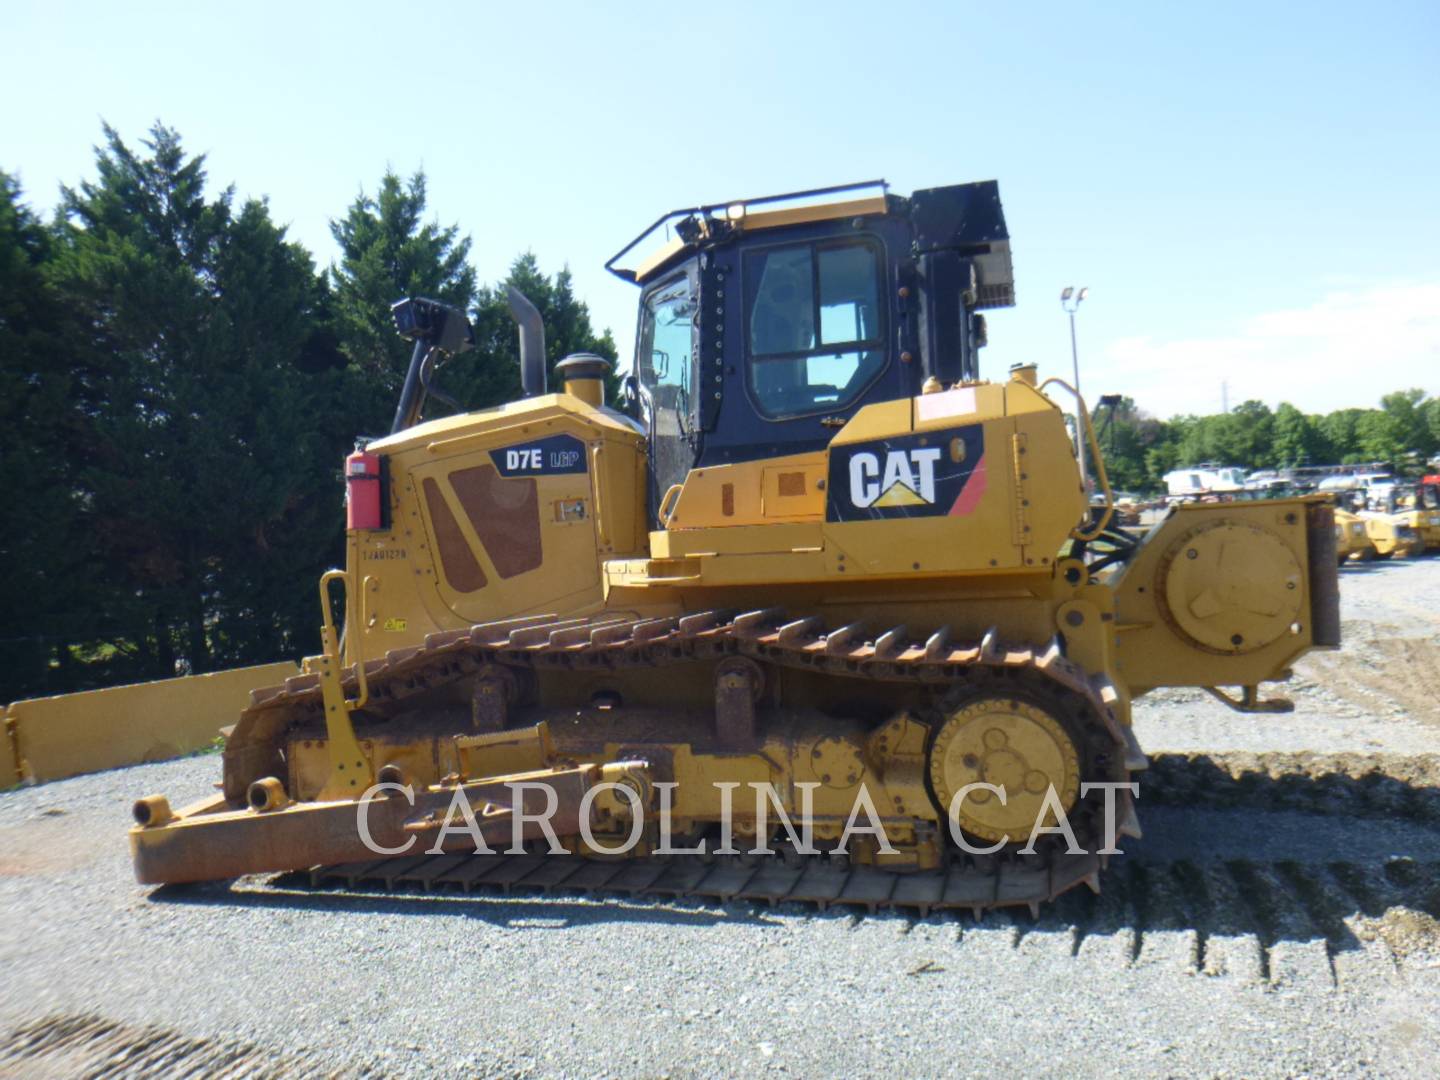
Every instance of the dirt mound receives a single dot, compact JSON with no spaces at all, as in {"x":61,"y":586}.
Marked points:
{"x":1407,"y":932}
{"x":1381,"y":673}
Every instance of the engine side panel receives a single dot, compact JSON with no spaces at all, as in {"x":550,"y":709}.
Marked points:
{"x":975,"y":482}
{"x":495,"y":514}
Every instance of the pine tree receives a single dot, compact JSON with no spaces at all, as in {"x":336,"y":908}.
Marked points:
{"x":493,"y":376}
{"x":387,"y":252}
{"x":43,"y":545}
{"x":201,"y":450}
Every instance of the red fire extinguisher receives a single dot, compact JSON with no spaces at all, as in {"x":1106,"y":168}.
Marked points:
{"x":362,"y":491}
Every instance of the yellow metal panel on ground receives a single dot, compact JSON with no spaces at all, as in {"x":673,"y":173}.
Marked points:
{"x":124,"y":725}
{"x":9,"y":767}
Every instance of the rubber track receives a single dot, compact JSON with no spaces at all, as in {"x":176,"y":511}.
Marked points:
{"x":770,"y":636}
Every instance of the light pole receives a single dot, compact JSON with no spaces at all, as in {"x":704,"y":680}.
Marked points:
{"x":1070,"y":300}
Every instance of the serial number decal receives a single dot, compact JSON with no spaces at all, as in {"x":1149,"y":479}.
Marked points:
{"x":555,"y":455}
{"x":376,"y":554}
{"x":921,"y":475}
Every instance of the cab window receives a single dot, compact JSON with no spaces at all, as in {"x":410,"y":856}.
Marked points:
{"x":814,"y":333}
{"x":667,"y":347}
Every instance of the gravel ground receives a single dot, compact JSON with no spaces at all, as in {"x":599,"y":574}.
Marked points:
{"x":1249,"y":940}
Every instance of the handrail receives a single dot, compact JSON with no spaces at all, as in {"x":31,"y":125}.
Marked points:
{"x":602,"y":532}
{"x":672,"y":494}
{"x":706,"y":210}
{"x":330,"y":643}
{"x":1100,"y":475}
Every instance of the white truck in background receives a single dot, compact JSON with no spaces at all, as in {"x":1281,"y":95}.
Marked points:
{"x":1199,"y":481}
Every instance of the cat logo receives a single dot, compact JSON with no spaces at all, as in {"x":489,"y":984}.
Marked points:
{"x":907,"y":478}
{"x":908,"y":475}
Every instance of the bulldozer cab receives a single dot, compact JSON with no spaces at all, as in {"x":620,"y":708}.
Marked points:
{"x":765,"y":325}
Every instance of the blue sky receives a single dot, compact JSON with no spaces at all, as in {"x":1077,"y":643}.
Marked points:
{"x":1249,"y":190}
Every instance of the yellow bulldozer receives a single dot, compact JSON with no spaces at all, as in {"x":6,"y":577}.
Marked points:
{"x":813,"y":612}
{"x":1410,"y":507}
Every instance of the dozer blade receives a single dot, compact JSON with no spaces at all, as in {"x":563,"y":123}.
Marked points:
{"x":210,"y":842}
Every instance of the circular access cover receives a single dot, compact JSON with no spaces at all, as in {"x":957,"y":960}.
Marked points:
{"x":1232,"y":588}
{"x":1017,"y":747}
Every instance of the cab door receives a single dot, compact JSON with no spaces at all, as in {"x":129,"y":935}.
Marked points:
{"x":667,"y":361}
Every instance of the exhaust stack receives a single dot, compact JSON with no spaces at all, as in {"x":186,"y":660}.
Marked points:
{"x":532,"y":341}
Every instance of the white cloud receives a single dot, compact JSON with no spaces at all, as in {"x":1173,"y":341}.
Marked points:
{"x":1347,"y":349}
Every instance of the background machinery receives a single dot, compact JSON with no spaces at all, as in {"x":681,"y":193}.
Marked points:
{"x":1353,"y":539}
{"x":1411,"y":505}
{"x":814,"y":553}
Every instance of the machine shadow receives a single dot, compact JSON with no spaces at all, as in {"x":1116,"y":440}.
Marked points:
{"x":532,"y":910}
{"x":1354,"y":568}
{"x":1403,"y":789}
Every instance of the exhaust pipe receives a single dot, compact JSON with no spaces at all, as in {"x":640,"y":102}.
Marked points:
{"x":532,"y":341}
